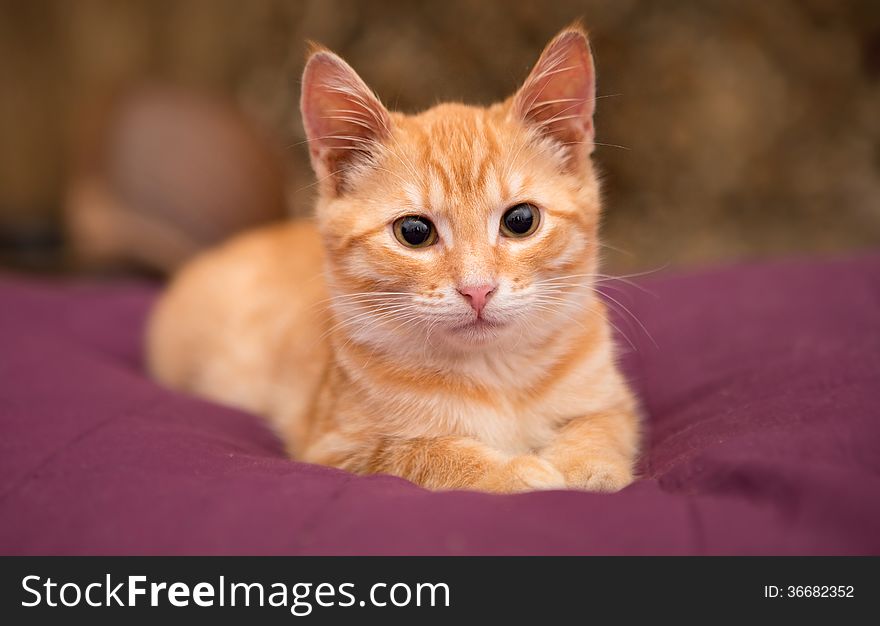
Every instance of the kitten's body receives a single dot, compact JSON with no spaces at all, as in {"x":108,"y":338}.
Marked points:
{"x":365,"y":354}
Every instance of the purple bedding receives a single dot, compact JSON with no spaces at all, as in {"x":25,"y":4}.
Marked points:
{"x":763,"y":437}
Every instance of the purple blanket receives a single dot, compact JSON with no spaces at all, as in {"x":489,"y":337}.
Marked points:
{"x":763,"y":437}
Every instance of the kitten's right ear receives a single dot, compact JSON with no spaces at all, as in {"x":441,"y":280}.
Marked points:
{"x":559,"y":96}
{"x":344,"y":120}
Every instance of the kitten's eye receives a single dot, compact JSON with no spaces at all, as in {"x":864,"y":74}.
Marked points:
{"x":415,"y":231}
{"x":520,"y":220}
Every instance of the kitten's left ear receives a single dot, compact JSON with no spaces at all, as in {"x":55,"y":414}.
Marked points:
{"x":344,"y":121}
{"x":559,"y":96}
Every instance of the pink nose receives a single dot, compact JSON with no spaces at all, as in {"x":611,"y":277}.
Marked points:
{"x":477,"y":295}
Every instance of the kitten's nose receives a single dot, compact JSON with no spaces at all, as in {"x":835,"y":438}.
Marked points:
{"x":477,"y":295}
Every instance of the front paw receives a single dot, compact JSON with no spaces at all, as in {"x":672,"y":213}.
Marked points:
{"x":597,"y":474}
{"x":522,"y":473}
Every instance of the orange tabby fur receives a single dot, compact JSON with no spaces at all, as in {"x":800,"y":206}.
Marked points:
{"x":364,"y":354}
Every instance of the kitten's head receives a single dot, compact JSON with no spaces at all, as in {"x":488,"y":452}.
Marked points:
{"x":461,"y":228}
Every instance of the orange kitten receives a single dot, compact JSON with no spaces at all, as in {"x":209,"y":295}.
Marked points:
{"x":439,"y":321}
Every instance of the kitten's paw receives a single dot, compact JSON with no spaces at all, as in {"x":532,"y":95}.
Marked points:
{"x":598,"y":474}
{"x":523,"y":473}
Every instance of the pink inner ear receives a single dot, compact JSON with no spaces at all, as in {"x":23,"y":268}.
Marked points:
{"x":343,"y":119}
{"x":559,"y":95}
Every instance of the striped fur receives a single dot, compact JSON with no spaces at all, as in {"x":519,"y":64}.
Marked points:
{"x":362,"y":352}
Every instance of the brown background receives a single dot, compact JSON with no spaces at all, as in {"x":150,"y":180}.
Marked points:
{"x":750,"y":129}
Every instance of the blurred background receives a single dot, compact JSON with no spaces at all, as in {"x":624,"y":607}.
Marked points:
{"x":133,"y":133}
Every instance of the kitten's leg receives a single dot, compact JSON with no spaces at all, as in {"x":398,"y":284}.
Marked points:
{"x":597,"y":452}
{"x":438,"y":463}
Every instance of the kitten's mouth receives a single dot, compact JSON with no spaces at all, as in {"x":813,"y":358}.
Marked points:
{"x":478,"y":325}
